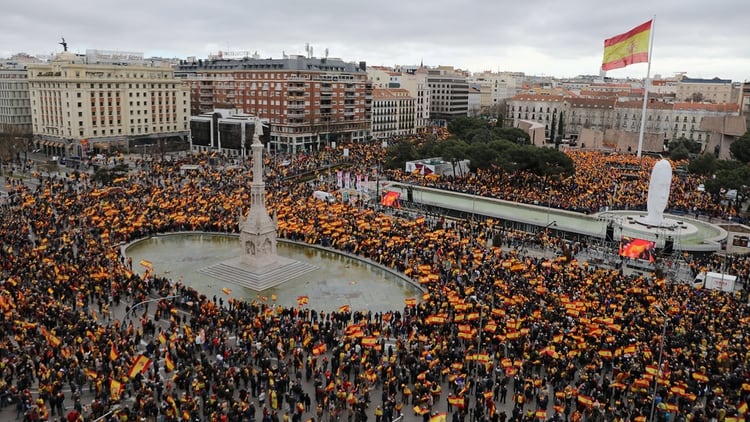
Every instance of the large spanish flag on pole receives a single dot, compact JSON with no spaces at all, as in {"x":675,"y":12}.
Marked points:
{"x":628,"y":48}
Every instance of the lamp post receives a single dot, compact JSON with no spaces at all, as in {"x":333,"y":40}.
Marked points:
{"x":661,"y":355}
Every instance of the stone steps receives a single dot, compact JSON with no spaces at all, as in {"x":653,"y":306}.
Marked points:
{"x":258,"y":281}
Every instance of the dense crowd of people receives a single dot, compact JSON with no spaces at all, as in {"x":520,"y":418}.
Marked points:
{"x":601,"y":180}
{"x":559,"y":339}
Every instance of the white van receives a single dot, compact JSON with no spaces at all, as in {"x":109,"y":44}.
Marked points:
{"x":324,"y":196}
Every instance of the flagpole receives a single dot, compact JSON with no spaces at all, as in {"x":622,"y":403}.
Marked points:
{"x":645,"y":86}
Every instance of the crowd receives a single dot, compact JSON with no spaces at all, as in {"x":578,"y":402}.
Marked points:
{"x":601,"y":180}
{"x":561,"y":340}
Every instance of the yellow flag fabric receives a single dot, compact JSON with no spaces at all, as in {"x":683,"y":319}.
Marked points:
{"x":628,"y":48}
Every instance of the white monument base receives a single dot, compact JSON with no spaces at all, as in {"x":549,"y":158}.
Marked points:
{"x":258,"y":278}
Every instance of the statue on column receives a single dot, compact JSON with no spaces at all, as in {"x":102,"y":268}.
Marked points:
{"x":258,"y":130}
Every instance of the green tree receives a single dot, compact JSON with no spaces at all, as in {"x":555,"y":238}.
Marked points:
{"x":561,"y":125}
{"x":691,"y":146}
{"x":680,"y":152}
{"x":398,"y":154}
{"x":512,"y":134}
{"x":463,"y":126}
{"x":553,"y":127}
{"x":454,"y":151}
{"x":704,"y":164}
{"x":740,"y":148}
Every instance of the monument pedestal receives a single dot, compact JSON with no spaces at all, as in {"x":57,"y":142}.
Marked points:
{"x":258,"y":278}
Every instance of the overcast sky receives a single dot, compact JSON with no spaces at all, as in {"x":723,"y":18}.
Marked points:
{"x":539,"y":37}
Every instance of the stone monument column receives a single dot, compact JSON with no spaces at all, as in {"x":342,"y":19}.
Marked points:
{"x":258,"y":230}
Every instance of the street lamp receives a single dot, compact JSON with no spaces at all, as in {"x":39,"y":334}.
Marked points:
{"x":661,"y":355}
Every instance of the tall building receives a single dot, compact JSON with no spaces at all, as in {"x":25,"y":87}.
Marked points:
{"x":15,"y":107}
{"x":392,"y":113}
{"x":119,"y":101}
{"x":496,"y":88}
{"x":449,"y":94}
{"x":412,"y":80}
{"x":308,"y":101}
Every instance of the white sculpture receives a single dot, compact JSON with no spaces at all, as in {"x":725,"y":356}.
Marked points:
{"x":658,"y":194}
{"x":258,"y":130}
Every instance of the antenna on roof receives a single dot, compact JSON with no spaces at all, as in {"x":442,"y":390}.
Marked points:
{"x":307,"y":49}
{"x":326,"y":51}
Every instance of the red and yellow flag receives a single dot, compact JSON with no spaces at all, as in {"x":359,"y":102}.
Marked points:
{"x":302,"y":300}
{"x":344,"y":308}
{"x":140,"y":364}
{"x":319,"y":349}
{"x":162,"y":338}
{"x":628,"y":48}
{"x":168,"y":363}
{"x":113,"y":352}
{"x":440,"y":417}
{"x":115,"y":389}
{"x":410,"y":301}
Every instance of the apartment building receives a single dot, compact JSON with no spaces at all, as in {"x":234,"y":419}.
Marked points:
{"x":449,"y":94}
{"x":610,"y":110}
{"x":79,"y":107}
{"x":714,"y":90}
{"x":538,"y":108}
{"x":15,"y":107}
{"x":393,"y":113}
{"x":309,"y":101}
{"x":412,"y":80}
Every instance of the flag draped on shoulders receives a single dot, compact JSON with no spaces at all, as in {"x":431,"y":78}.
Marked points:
{"x":627,"y":48}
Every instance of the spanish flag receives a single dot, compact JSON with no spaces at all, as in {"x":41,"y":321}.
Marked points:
{"x":168,"y":363}
{"x":145,"y":263}
{"x":628,"y":48}
{"x":440,"y":417}
{"x":140,"y":364}
{"x":162,"y":338}
{"x":113,"y":352}
{"x":302,"y":300}
{"x":227,"y":291}
{"x":90,"y":373}
{"x":344,"y":308}
{"x":410,"y":301}
{"x":319,"y":349}
{"x":115,"y":388}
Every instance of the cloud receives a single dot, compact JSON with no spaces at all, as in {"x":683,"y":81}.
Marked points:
{"x":534,"y":36}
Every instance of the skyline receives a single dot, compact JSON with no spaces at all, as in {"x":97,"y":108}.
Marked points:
{"x":540,"y":38}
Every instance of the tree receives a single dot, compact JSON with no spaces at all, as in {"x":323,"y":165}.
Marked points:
{"x":691,"y":146}
{"x":740,"y":148}
{"x":512,"y":134}
{"x":553,"y":128}
{"x":561,"y":125}
{"x":455,"y":151}
{"x":679,"y":153}
{"x":704,"y":164}
{"x":398,"y":154}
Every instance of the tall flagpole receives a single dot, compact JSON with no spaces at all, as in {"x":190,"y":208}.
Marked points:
{"x":646,"y":84}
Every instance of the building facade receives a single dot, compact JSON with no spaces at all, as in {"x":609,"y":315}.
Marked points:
{"x":78,"y":108}
{"x":15,"y":111}
{"x":538,"y":108}
{"x":449,"y":94}
{"x":308,"y":101}
{"x":225,"y":131}
{"x":393,"y":113}
{"x":412,"y":80}
{"x":709,"y":90}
